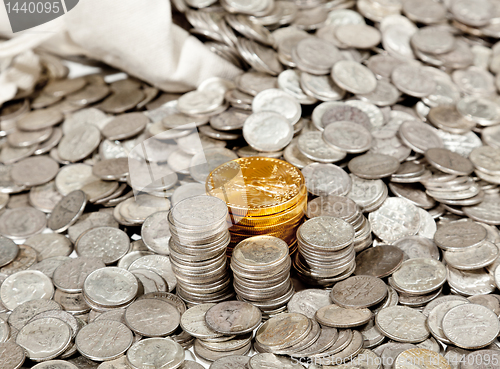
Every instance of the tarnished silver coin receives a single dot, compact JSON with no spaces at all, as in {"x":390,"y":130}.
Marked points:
{"x":125,"y":126}
{"x":233,"y":317}
{"x":67,"y":211}
{"x":8,"y":251}
{"x":21,"y":223}
{"x":162,"y":353}
{"x":283,"y":330}
{"x":359,"y":292}
{"x":459,"y":235}
{"x":103,"y":340}
{"x":380,"y":261}
{"x":449,"y":162}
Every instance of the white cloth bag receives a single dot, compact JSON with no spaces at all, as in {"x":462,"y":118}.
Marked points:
{"x":135,"y":36}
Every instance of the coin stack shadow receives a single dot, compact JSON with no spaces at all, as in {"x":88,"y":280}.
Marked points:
{"x":265,"y":196}
{"x":325,"y":251}
{"x":198,"y":256}
{"x":261,"y":270}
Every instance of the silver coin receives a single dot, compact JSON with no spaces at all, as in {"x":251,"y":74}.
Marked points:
{"x":23,"y":313}
{"x":67,"y":211}
{"x":151,"y":282}
{"x":402,"y":324}
{"x":50,"y":245}
{"x":233,"y":317}
{"x":160,"y":352}
{"x":44,"y":339}
{"x":193,"y":322}
{"x":347,"y":136}
{"x":91,"y":220}
{"x":71,"y":302}
{"x":111,"y":286}
{"x":471,"y":326}
{"x":414,"y":247}
{"x":373,"y":166}
{"x":359,"y":292}
{"x":14,"y":290}
{"x":267,"y":131}
{"x":79,"y":143}
{"x":354,"y":77}
{"x":277,"y":101}
{"x":471,"y":282}
{"x":12,"y":355}
{"x":152,"y":317}
{"x":412,"y":80}
{"x":395,"y":219}
{"x":435,"y":318}
{"x":22,"y":222}
{"x":312,"y":145}
{"x":103,"y":340}
{"x":74,"y":177}
{"x":25,"y":258}
{"x":308,"y":301}
{"x":471,"y":258}
{"x":339,"y":317}
{"x":449,"y":162}
{"x":159,"y":264}
{"x":326,"y":179}
{"x":430,"y":274}
{"x":44,"y":197}
{"x":108,"y":243}
{"x":156,"y":232}
{"x":283,"y":330}
{"x":8,"y":251}
{"x":34,"y":171}
{"x":70,"y":276}
{"x":459,"y":235}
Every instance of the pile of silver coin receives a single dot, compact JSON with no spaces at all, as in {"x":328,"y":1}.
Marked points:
{"x":346,"y":209}
{"x":326,"y":250}
{"x":261,"y":273}
{"x":198,"y":249}
{"x":112,"y":256}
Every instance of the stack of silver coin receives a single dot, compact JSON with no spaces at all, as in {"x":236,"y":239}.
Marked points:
{"x":346,"y":209}
{"x":261,"y":271}
{"x":325,"y":250}
{"x":221,"y":329}
{"x":198,"y":249}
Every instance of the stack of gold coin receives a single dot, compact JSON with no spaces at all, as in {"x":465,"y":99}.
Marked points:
{"x":265,"y":196}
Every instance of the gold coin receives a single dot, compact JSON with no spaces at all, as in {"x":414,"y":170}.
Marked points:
{"x":269,"y":220}
{"x":256,"y":185}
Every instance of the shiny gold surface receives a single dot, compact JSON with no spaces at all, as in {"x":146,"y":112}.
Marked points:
{"x":256,"y":186}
